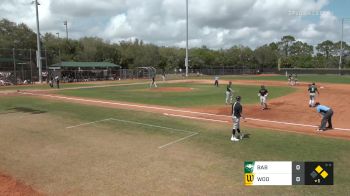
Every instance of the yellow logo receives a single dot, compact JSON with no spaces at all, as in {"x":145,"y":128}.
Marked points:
{"x":322,"y":172}
{"x":248,"y":179}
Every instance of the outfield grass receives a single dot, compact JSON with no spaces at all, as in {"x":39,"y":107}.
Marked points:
{"x":224,"y":169}
{"x":301,"y":78}
{"x":45,"y":86}
{"x":201,"y":95}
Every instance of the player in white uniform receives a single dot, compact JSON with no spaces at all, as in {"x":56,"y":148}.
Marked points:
{"x":229,"y":93}
{"x":153,"y":83}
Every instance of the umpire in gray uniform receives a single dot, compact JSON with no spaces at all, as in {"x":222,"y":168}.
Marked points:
{"x":327,"y":114}
{"x":236,"y":117}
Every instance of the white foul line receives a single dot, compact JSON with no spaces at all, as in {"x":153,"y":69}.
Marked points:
{"x":198,"y":118}
{"x":168,"y":109}
{"x":144,"y":124}
{"x":278,"y":122}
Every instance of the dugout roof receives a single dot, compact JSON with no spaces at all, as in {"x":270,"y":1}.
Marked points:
{"x":91,"y":65}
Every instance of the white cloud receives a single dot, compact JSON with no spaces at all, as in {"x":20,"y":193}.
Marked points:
{"x":217,"y":24}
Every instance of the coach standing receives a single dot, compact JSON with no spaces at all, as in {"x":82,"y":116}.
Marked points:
{"x":57,"y":81}
{"x":327,"y":114}
{"x":236,"y":117}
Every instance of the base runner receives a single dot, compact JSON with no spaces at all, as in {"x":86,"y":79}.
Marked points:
{"x":236,"y":113}
{"x":263,"y":97}
{"x":312,"y":92}
{"x":229,"y":93}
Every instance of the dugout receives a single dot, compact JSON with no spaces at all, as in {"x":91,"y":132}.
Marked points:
{"x":84,"y":71}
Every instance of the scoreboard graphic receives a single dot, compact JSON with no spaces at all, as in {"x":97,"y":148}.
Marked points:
{"x":288,"y":173}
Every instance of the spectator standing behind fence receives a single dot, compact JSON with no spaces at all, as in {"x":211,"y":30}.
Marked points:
{"x":57,"y":81}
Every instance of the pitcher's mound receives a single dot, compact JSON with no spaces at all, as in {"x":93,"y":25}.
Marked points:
{"x":172,"y":89}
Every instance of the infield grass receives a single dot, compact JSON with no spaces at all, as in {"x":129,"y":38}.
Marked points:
{"x":201,"y":95}
{"x":122,"y":158}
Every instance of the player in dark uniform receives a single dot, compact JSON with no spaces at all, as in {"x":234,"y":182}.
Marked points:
{"x":216,"y":83}
{"x":327,"y":114}
{"x":312,"y":91}
{"x":236,"y":113}
{"x":263,"y":97}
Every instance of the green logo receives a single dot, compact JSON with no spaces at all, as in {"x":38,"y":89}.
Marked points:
{"x":248,"y":166}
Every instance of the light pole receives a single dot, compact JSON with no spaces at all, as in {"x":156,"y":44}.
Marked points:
{"x":186,"y":59}
{"x":341,"y":42}
{"x":58,"y":35}
{"x":66,"y":24}
{"x":38,"y":53}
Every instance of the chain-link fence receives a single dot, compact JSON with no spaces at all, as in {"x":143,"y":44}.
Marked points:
{"x":320,"y":71}
{"x":18,"y":66}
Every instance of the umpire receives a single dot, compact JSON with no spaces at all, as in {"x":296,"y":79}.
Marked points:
{"x":327,"y":114}
{"x":236,"y":116}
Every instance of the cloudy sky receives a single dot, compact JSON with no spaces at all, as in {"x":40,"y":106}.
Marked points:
{"x":214,"y":23}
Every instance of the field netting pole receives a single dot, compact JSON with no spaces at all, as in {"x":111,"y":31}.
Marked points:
{"x":38,"y":56}
{"x":14,"y":64}
{"x":186,"y":59}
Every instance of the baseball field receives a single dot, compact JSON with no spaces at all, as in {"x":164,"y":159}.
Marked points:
{"x":124,"y":138}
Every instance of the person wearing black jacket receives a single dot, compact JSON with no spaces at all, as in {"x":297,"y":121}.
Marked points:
{"x":236,"y":113}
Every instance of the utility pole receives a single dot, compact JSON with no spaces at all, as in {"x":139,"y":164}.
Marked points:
{"x":66,"y":24}
{"x":186,"y":59}
{"x":38,"y":53}
{"x":31,"y":68}
{"x":14,"y":64}
{"x":341,"y":45}
{"x":58,"y":35}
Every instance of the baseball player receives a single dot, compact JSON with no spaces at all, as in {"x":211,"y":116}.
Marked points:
{"x":57,"y":81}
{"x":312,"y":92}
{"x":295,"y":79}
{"x":51,"y":82}
{"x":153,"y":83}
{"x":290,"y":78}
{"x":236,"y":113}
{"x":216,"y":83}
{"x":263,"y":97}
{"x":326,"y":113}
{"x":229,"y":93}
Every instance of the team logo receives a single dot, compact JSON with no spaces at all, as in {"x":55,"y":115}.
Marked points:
{"x":248,"y":173}
{"x":248,"y":167}
{"x":248,"y":179}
